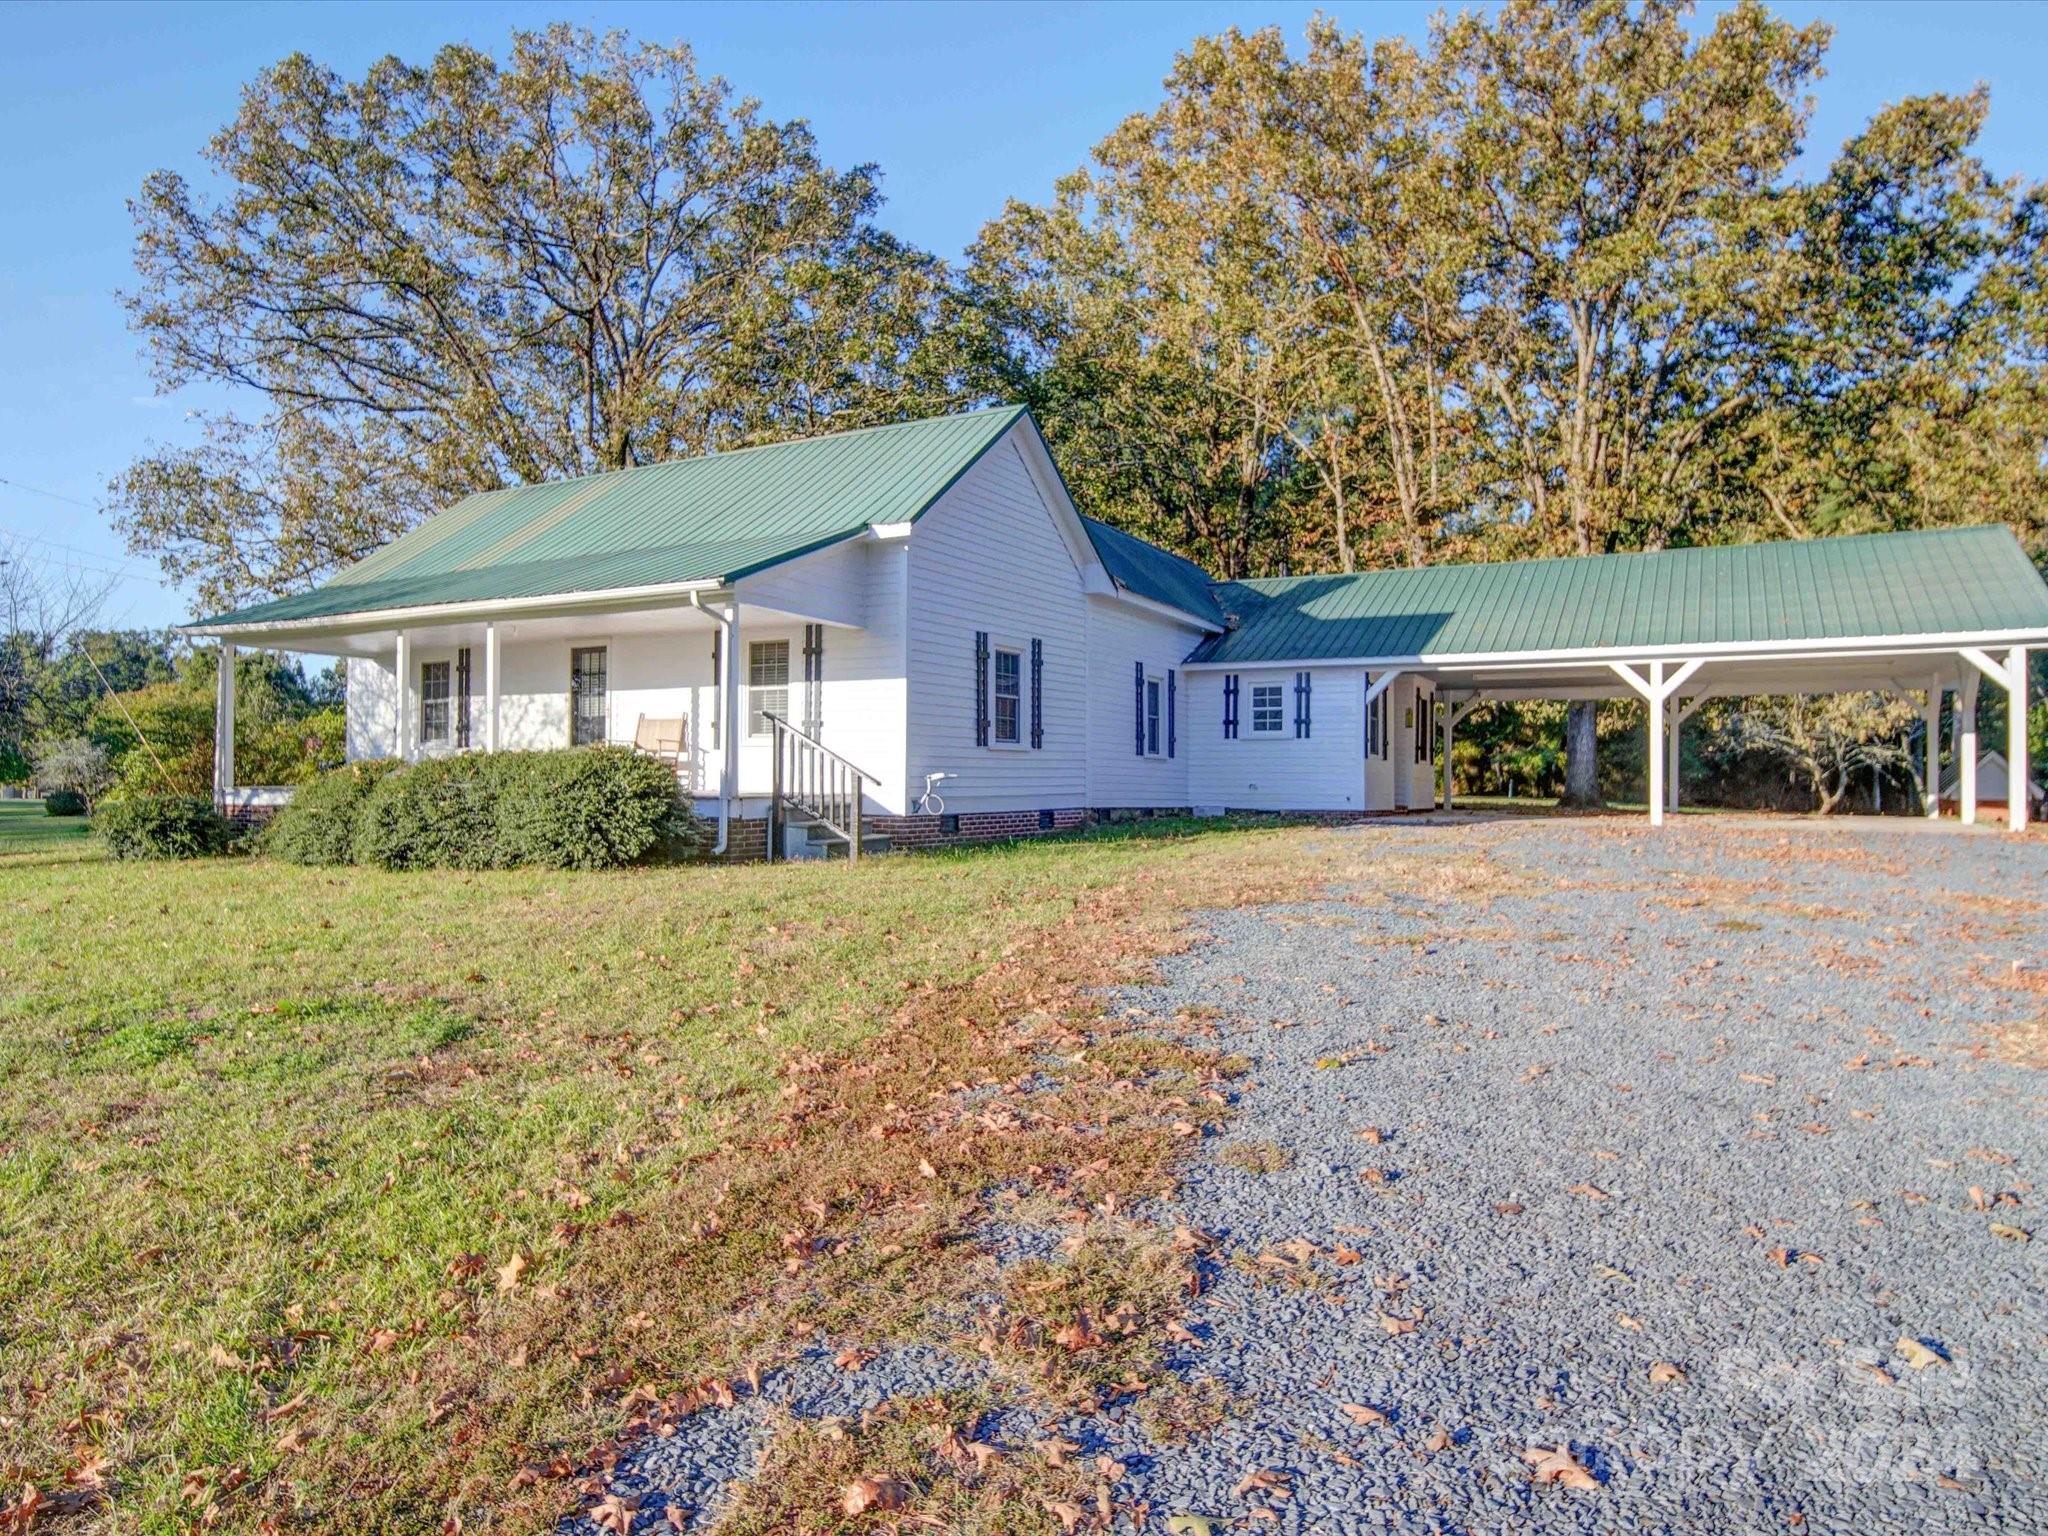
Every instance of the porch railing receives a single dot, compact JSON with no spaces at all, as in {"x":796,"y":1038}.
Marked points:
{"x":813,"y":781}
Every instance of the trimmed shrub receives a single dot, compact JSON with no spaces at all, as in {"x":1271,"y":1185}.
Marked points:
{"x":595,"y":808}
{"x":320,"y":824}
{"x":162,"y":827}
{"x":63,"y":802}
{"x":439,"y":814}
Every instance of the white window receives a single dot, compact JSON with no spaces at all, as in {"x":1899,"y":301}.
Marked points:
{"x":1153,"y":690}
{"x":767,"y":684}
{"x":1269,"y":708}
{"x":1007,"y":694}
{"x":434,"y":696}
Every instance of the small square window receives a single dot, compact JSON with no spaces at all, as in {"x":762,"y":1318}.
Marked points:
{"x":1008,"y":695}
{"x":1269,"y":708}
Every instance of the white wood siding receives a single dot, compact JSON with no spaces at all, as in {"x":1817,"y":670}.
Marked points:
{"x":1324,"y":771}
{"x":989,"y":557}
{"x":372,"y":708}
{"x":1119,"y":637}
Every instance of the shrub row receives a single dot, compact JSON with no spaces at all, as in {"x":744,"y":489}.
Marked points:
{"x":162,"y":827}
{"x":585,"y":808}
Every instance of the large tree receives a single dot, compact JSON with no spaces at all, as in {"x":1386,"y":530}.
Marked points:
{"x":454,"y":276}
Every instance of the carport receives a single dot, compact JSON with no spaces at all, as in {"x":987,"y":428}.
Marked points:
{"x":1921,"y":614}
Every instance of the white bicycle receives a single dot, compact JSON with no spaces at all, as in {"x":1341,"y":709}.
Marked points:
{"x":931,"y":802}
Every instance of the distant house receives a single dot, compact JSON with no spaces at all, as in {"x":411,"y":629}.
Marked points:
{"x":1994,"y":780}
{"x":876,"y":607}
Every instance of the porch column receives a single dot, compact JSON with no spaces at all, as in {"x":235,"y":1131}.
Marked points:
{"x":2019,"y":786}
{"x":1931,"y":749}
{"x":1450,"y":725}
{"x":1966,"y":748}
{"x":402,"y":662}
{"x":224,"y":727}
{"x":491,"y":685}
{"x":1653,"y":716}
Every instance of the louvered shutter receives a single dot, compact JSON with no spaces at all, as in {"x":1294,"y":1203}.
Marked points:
{"x":1037,"y":694}
{"x":1140,"y":666}
{"x":1301,"y":719}
{"x":1230,"y":706}
{"x":1169,"y":711}
{"x":981,"y":687}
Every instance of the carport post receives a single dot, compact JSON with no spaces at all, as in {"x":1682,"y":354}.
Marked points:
{"x":1966,"y":748}
{"x":1450,"y":723}
{"x":2018,"y":784}
{"x":1931,"y":776}
{"x":1653,"y":715}
{"x":224,"y":728}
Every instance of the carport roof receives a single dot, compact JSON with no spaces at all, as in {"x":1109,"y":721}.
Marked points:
{"x":1948,"y":581}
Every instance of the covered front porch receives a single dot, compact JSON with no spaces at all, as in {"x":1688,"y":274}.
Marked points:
{"x":1673,"y":683}
{"x":720,"y":686}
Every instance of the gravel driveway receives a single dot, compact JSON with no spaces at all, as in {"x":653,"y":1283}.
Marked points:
{"x":1704,"y":1156}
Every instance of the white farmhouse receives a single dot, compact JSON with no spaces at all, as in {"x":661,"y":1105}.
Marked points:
{"x":814,"y":631}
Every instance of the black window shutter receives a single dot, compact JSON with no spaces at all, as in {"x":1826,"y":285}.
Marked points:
{"x":1230,"y":706}
{"x":1141,"y":707}
{"x":1037,"y":694}
{"x":1169,"y":712}
{"x":981,"y":687}
{"x":1301,"y":721}
{"x":462,"y":697}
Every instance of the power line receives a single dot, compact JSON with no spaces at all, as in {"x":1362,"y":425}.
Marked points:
{"x":34,"y":490}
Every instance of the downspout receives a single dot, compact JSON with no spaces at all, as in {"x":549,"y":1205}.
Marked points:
{"x":728,"y":709}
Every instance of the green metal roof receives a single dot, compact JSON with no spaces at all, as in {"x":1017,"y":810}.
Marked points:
{"x":1150,"y":571}
{"x":1939,"y":581}
{"x":715,"y":518}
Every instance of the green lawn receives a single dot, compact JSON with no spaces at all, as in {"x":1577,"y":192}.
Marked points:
{"x":275,"y":1141}
{"x":26,"y":828}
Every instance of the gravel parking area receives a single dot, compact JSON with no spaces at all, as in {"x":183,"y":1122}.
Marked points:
{"x":1705,"y":1158}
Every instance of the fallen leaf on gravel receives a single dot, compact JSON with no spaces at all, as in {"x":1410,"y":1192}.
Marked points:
{"x":1609,"y":1272}
{"x":1192,"y":1525}
{"x":1399,"y":1325}
{"x":1635,"y":1324}
{"x":1056,"y":1450}
{"x":1915,"y":1354}
{"x":678,"y":1516}
{"x":1507,"y":1208}
{"x":1664,"y":1371}
{"x":1373,"y":1134}
{"x":852,"y":1358}
{"x":1558,"y":1466}
{"x":2010,"y":1233}
{"x":1763,"y":1079}
{"x":1881,"y":1374}
{"x":869,"y":1493}
{"x":1342,"y":1255}
{"x":1362,"y":1416}
{"x":1979,"y":1201}
{"x":1265,"y":1480}
{"x":615,"y":1513}
{"x":1590,"y":1191}
{"x":1440,"y":1441}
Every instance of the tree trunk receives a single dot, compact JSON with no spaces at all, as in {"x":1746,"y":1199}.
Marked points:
{"x":1582,"y":756}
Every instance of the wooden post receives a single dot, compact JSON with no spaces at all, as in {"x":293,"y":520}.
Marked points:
{"x":1676,"y":724}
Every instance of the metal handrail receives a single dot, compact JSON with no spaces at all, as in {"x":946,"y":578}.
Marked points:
{"x":811,"y":778}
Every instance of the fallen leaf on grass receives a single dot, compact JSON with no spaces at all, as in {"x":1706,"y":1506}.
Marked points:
{"x":1558,"y":1466}
{"x":1068,"y":1514}
{"x":510,"y":1271}
{"x":871,"y":1493}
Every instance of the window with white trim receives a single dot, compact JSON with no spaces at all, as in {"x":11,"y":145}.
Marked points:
{"x":1269,"y":709}
{"x":767,"y":684}
{"x":1006,"y":694}
{"x":1154,"y":690}
{"x":434,"y":697}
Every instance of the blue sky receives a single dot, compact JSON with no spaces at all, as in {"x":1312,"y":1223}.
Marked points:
{"x":961,"y":106}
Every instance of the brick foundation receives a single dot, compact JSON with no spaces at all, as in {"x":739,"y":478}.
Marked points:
{"x":973,"y":827}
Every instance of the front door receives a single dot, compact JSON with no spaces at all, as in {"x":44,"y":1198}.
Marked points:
{"x":589,"y":707}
